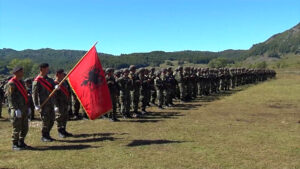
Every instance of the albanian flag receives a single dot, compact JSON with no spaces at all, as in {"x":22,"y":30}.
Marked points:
{"x":87,"y":80}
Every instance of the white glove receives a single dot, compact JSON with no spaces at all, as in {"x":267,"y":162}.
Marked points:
{"x":57,"y":87}
{"x":18,"y":113}
{"x":37,"y":108}
{"x":29,"y":111}
{"x":56,"y":109}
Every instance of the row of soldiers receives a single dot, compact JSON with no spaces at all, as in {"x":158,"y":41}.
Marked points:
{"x":147,"y":87}
{"x":130,"y":89}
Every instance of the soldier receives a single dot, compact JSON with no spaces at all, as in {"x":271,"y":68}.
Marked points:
{"x":113,"y":89}
{"x":159,"y":87}
{"x":125,"y":85}
{"x":144,"y":89}
{"x":135,"y":90}
{"x":187,"y":83}
{"x":173,"y":84}
{"x":148,"y":89}
{"x":181,"y":83}
{"x":152,"y":88}
{"x":28,"y":84}
{"x":117,"y":75}
{"x":17,"y":102}
{"x":62,"y":103}
{"x":41,"y":88}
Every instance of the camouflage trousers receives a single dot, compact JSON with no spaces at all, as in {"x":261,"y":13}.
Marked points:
{"x":113,"y":113}
{"x":62,"y":117}
{"x":144,"y":98}
{"x":125,"y":102}
{"x":75,"y":105}
{"x":200,"y":88}
{"x":153,"y":96}
{"x":48,"y":118}
{"x":160,"y":97}
{"x":182,"y":91}
{"x":189,"y":90}
{"x":135,"y":98}
{"x":20,"y":126}
{"x":167,"y":96}
{"x":195,"y":89}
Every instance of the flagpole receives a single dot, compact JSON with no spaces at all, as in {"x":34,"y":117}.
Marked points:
{"x":65,"y":78}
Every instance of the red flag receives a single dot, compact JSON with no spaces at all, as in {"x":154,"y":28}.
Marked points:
{"x":87,"y":80}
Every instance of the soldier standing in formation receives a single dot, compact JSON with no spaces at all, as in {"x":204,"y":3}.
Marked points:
{"x":41,"y":88}
{"x":18,"y":105}
{"x":62,"y":104}
{"x":113,"y":89}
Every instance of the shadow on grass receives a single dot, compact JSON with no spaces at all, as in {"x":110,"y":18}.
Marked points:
{"x":136,"y":143}
{"x":153,"y":117}
{"x":90,"y":140}
{"x":63,"y":147}
{"x":95,"y":135}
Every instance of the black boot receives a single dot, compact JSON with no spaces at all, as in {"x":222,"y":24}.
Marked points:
{"x":22,"y":144}
{"x":61,"y":133}
{"x":46,"y":137}
{"x":16,"y":146}
{"x":67,"y":133}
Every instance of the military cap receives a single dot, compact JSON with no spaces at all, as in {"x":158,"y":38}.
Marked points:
{"x":59,"y":71}
{"x":44,"y":65}
{"x":140,"y":70}
{"x":132,"y":67}
{"x":157,"y":73}
{"x":125,"y":70}
{"x":107,"y":70}
{"x":16,"y":69}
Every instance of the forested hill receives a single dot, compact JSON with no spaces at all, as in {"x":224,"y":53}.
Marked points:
{"x":276,"y":46}
{"x":67,"y":58}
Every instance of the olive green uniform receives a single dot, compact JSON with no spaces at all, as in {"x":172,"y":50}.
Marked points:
{"x":39,"y":95}
{"x":113,"y":90}
{"x":16,"y":101}
{"x":125,"y":85}
{"x":62,"y":101}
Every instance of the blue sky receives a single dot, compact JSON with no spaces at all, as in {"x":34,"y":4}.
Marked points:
{"x":127,"y":26}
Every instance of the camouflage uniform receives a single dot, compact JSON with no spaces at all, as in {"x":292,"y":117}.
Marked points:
{"x":135,"y":90}
{"x":181,"y":83}
{"x":39,"y":95}
{"x":28,"y":84}
{"x":113,"y":89}
{"x":159,"y":87}
{"x":16,"y":101}
{"x":152,"y":88}
{"x":144,"y":89}
{"x":63,"y":99}
{"x":167,"y":87}
{"x":125,"y":85}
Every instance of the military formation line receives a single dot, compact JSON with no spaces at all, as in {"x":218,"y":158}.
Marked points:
{"x":132,"y":90}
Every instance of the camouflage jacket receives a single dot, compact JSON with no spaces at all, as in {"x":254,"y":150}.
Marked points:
{"x":40,"y":93}
{"x":15,"y":98}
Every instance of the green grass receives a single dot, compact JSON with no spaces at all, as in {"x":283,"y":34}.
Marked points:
{"x":256,"y":126}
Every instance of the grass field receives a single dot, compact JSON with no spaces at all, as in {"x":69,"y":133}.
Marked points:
{"x":257,"y":126}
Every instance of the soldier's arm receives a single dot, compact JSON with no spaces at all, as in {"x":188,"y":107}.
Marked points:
{"x":11,"y":97}
{"x":35,"y":93}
